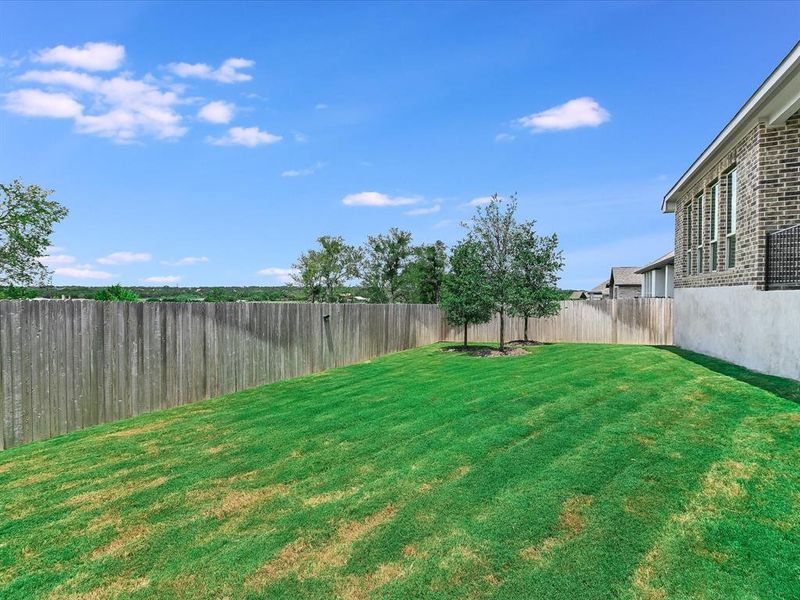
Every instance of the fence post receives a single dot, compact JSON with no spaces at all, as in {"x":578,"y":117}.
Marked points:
{"x":613,"y":320}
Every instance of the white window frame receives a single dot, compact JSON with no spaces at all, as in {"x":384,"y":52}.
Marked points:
{"x":689,"y":241}
{"x":732,"y":196}
{"x":714,"y":224}
{"x":701,"y":201}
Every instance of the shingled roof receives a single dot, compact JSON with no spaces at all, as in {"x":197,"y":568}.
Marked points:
{"x":626,"y":276}
{"x":600,"y":288}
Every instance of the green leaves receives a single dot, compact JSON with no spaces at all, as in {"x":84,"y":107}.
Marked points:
{"x":466,"y":293}
{"x":116,"y":293}
{"x":27,"y":217}
{"x":324,"y":271}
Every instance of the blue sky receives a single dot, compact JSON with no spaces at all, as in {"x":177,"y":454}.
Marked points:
{"x":209,"y":144}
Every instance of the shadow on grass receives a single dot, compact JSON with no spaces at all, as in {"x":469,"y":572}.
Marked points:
{"x":788,"y":389}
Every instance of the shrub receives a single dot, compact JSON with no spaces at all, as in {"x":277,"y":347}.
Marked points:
{"x":116,"y":293}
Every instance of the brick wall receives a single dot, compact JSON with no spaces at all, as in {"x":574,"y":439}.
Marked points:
{"x":767,"y":163}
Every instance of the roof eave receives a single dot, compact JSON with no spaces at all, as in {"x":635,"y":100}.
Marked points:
{"x":772,"y":104}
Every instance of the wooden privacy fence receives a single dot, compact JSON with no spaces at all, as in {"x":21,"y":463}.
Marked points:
{"x":624,"y":321}
{"x":69,"y":364}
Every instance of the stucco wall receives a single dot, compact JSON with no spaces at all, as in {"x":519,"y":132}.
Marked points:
{"x":756,"y":329}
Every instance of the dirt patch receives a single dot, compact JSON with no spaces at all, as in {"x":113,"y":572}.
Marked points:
{"x":525,"y":343}
{"x":485,"y":351}
{"x":571,"y":523}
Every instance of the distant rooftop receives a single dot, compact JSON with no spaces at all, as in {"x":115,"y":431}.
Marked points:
{"x":667,"y":259}
{"x":626,"y":276}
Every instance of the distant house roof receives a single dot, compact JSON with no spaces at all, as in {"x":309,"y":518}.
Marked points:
{"x":626,"y":276}
{"x":773,"y":103}
{"x":600,"y":288}
{"x":578,"y":295}
{"x":667,"y":259}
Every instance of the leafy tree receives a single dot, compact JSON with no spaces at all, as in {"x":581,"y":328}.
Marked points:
{"x":425,"y":274}
{"x":536,"y":264}
{"x":324,"y":271}
{"x":13,"y":292}
{"x":27,"y":217}
{"x":386,"y":258}
{"x":466,"y":292}
{"x":493,"y":228}
{"x":116,"y":293}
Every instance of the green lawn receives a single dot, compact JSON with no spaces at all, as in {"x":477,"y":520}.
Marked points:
{"x":576,"y":471}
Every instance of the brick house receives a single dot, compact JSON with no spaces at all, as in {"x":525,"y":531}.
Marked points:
{"x":743,"y":188}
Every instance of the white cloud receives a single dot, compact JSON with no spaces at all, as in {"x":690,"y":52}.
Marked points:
{"x":124,"y":258}
{"x":71,"y":79}
{"x":504,"y":137}
{"x":320,"y":106}
{"x":228,"y":72}
{"x":580,"y":112}
{"x":123,"y":108}
{"x":217,"y":112}
{"x":300,"y":137}
{"x":480,"y":201}
{"x":443,"y":223}
{"x":425,"y":210}
{"x":303,"y":172}
{"x":162,"y":279}
{"x":377,"y":199}
{"x":92,"y":56}
{"x":36,"y":103}
{"x":56,"y":260}
{"x":279,"y":273}
{"x":186,"y":261}
{"x":245,"y":136}
{"x":82,"y":272}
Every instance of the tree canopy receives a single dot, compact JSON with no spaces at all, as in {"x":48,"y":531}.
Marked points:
{"x":466,"y":292}
{"x":322,"y":272}
{"x":27,"y":218}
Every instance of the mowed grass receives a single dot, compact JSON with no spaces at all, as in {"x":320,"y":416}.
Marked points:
{"x":575,"y":471}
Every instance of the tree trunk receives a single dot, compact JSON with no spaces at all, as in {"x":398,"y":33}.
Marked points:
{"x":502,"y":330}
{"x":526,"y":328}
{"x":465,"y":335}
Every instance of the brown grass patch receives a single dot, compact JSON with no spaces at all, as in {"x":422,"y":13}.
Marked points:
{"x":645,"y":440}
{"x":643,"y":576}
{"x":132,"y":431}
{"x":309,"y":561}
{"x":216,"y":449}
{"x":121,"y":545}
{"x":119,"y":586}
{"x":410,"y":550}
{"x":571,"y":523}
{"x":329,"y":497}
{"x":357,"y":587}
{"x":238,"y":500}
{"x":5,"y":467}
{"x":96,"y":498}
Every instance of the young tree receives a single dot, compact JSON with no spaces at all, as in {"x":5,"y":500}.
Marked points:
{"x":466,"y":292}
{"x":536,"y":264}
{"x":323,"y":272}
{"x":387,"y":257}
{"x":27,"y":217}
{"x":493,"y":227}
{"x":425,"y":274}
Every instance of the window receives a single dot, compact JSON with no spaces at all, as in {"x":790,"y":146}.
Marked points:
{"x":714,"y":223}
{"x":700,"y":223}
{"x":730,"y":228}
{"x":688,"y":240}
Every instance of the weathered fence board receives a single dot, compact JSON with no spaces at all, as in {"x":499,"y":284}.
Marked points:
{"x":68,"y":364}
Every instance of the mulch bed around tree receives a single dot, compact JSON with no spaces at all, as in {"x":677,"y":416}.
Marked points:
{"x":485,"y":351}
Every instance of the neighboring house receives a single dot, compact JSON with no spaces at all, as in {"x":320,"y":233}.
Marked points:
{"x":737,"y":234}
{"x":658,"y":278}
{"x":624,"y":282}
{"x":579,"y":295}
{"x":599,"y":292}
